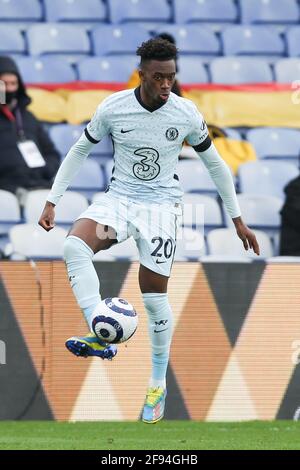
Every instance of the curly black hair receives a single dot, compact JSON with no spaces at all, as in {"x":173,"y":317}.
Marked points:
{"x":157,"y":49}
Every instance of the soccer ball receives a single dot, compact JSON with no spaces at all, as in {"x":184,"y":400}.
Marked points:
{"x":114,"y":320}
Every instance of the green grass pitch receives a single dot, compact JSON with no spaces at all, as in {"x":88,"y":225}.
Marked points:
{"x":168,"y":435}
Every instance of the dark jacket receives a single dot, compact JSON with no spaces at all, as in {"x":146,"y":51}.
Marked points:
{"x":290,"y":220}
{"x":14,"y":172}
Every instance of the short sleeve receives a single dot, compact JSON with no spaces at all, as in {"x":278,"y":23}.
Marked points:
{"x":199,"y":132}
{"x":98,"y":127}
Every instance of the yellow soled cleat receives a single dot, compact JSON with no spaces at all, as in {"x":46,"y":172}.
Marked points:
{"x":90,"y":345}
{"x":154,"y":406}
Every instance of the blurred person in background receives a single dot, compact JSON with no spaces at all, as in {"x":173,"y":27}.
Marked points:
{"x":29,"y":159}
{"x":290,"y":220}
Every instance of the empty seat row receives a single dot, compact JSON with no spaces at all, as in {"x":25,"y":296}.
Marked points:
{"x":260,"y":212}
{"x":190,"y":246}
{"x":192,"y":70}
{"x":243,"y":70}
{"x":70,"y":39}
{"x":245,"y":11}
{"x":88,"y":10}
{"x":52,"y":69}
{"x":262,"y":177}
{"x":276,"y":143}
{"x":200,"y":212}
{"x":119,"y":11}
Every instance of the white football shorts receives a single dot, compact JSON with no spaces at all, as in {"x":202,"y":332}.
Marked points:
{"x":153,"y":227}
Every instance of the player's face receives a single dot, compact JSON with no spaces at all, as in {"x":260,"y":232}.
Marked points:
{"x":157,"y":78}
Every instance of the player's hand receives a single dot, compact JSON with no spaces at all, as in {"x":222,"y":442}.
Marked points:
{"x":246,"y":235}
{"x":47,"y":218}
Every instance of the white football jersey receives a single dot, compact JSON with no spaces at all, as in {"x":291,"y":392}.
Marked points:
{"x":147,"y":143}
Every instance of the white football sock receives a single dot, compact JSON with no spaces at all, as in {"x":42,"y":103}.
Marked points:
{"x":82,"y":275}
{"x":160,"y":331}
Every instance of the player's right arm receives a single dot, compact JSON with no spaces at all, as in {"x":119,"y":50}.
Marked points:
{"x":66,"y":173}
{"x":94,"y":132}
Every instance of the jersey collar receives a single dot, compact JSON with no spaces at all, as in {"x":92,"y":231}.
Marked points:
{"x":137,"y":93}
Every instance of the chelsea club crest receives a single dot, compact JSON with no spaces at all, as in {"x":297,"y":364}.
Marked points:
{"x":172,"y":133}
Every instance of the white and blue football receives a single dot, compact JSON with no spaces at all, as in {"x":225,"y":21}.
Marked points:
{"x":114,"y":320}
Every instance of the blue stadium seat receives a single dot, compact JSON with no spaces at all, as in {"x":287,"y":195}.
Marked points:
{"x":252,"y":40}
{"x":57,"y":38}
{"x":194,"y":177}
{"x":9,"y":211}
{"x":11,"y":40}
{"x":269,"y":11}
{"x":224,"y":243}
{"x":208,"y":11}
{"x":191,"y":70}
{"x":65,"y":135}
{"x":46,"y":245}
{"x":14,"y":10}
{"x":237,"y":70}
{"x":276,"y":143}
{"x":201,"y":211}
{"x":75,"y":10}
{"x":118,"y":39}
{"x":293,"y":41}
{"x":89,"y":180}
{"x":46,"y":70}
{"x":262,"y":212}
{"x":192,"y":39}
{"x":71,"y":205}
{"x":266,"y":177}
{"x":107,"y":69}
{"x":287,"y":70}
{"x":121,"y":11}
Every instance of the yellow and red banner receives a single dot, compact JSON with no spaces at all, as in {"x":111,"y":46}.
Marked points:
{"x":249,"y":105}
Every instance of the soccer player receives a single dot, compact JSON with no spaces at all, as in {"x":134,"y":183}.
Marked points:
{"x":148,"y":126}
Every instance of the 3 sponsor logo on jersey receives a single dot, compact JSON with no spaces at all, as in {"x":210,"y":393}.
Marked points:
{"x":148,"y":168}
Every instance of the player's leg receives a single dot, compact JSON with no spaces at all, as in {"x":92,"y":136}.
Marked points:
{"x":154,"y":290}
{"x":86,"y":238}
{"x":156,"y":228}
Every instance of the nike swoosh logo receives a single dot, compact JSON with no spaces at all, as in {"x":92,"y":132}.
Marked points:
{"x":160,"y":331}
{"x":160,"y":262}
{"x":125,"y":132}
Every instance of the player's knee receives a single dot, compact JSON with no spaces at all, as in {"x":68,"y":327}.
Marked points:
{"x":68,"y":249}
{"x":74,"y":247}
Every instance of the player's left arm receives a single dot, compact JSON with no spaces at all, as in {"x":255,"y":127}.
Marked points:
{"x":221,"y":175}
